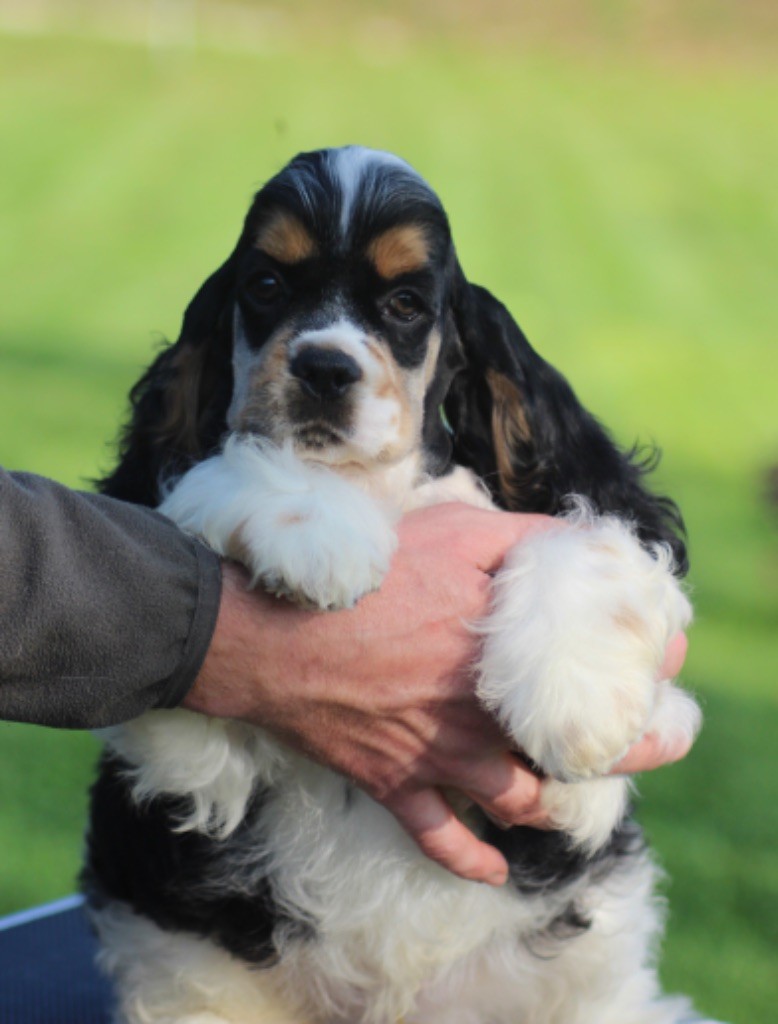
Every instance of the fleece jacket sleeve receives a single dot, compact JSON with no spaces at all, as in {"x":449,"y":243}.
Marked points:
{"x":106,"y":609}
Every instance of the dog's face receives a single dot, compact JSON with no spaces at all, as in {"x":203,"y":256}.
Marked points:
{"x":342,"y":290}
{"x":343,"y":324}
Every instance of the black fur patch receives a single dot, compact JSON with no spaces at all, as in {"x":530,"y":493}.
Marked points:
{"x":542,"y":861}
{"x":546,"y":862}
{"x":133,"y":855}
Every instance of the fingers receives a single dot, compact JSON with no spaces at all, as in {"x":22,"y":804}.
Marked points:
{"x":442,"y":837}
{"x":508,"y":792}
{"x":651,"y":752}
{"x":675,"y":655}
{"x":483,"y":536}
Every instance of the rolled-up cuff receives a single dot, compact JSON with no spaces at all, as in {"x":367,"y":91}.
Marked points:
{"x":204,"y":617}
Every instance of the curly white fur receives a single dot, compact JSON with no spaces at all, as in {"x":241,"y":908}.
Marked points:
{"x":471,"y":955}
{"x":572,"y":651}
{"x":581,"y":619}
{"x":301,"y":529}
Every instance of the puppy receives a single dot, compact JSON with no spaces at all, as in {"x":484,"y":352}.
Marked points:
{"x":337,"y":371}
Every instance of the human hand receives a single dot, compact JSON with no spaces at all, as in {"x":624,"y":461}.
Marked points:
{"x":382,"y":693}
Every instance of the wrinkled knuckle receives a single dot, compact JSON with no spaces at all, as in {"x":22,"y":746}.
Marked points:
{"x":387,"y":789}
{"x":389,"y":794}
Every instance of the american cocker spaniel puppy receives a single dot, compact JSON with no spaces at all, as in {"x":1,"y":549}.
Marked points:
{"x":335,"y":372}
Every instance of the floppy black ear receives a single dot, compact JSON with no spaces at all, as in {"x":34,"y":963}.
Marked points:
{"x":179,"y":406}
{"x":518,"y":424}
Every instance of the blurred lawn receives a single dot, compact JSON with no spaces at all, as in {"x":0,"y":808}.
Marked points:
{"x":626,"y":213}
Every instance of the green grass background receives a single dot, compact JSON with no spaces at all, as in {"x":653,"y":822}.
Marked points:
{"x":620,"y":199}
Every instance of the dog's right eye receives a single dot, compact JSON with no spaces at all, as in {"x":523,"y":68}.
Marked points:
{"x":266,"y":289}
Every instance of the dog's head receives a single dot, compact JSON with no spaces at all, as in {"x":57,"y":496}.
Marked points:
{"x":341,"y":332}
{"x":343,"y":323}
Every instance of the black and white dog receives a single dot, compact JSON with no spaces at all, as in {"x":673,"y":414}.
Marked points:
{"x":337,"y":371}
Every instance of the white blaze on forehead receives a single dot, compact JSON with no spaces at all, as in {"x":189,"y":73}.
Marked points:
{"x":350,"y":164}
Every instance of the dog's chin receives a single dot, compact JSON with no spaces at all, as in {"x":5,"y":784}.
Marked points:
{"x":320,"y":443}
{"x":327,"y":446}
{"x":317,"y":439}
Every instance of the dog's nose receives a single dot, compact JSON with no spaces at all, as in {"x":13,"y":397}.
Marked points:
{"x":324,"y":372}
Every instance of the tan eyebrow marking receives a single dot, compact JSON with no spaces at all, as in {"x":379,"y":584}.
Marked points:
{"x":399,"y":250}
{"x":285,"y":239}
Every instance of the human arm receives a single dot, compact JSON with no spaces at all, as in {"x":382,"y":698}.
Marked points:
{"x":107,"y":608}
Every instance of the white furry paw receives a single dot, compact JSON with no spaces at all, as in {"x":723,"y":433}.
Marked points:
{"x":325,"y":556}
{"x":587,"y":811}
{"x":302,"y":531}
{"x":573,"y":647}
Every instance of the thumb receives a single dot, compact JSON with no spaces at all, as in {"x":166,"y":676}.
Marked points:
{"x":442,"y":837}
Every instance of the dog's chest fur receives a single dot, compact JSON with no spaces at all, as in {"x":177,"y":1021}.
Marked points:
{"x":290,"y":867}
{"x":321,"y":887}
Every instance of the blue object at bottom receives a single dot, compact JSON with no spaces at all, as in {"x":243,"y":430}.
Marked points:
{"x":47,"y":972}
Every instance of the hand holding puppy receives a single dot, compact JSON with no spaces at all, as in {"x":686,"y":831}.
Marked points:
{"x":383,"y":693}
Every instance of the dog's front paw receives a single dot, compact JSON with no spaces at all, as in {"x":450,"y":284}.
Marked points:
{"x":319,"y":553}
{"x":573,"y":648}
{"x":302,"y":531}
{"x":587,"y":811}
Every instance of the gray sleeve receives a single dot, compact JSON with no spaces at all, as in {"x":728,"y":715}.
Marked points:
{"x":106,"y":609}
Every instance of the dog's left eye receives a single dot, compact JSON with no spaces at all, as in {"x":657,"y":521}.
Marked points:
{"x":403,"y":306}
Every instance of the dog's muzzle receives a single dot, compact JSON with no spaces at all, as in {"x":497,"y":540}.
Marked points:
{"x":324,"y":373}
